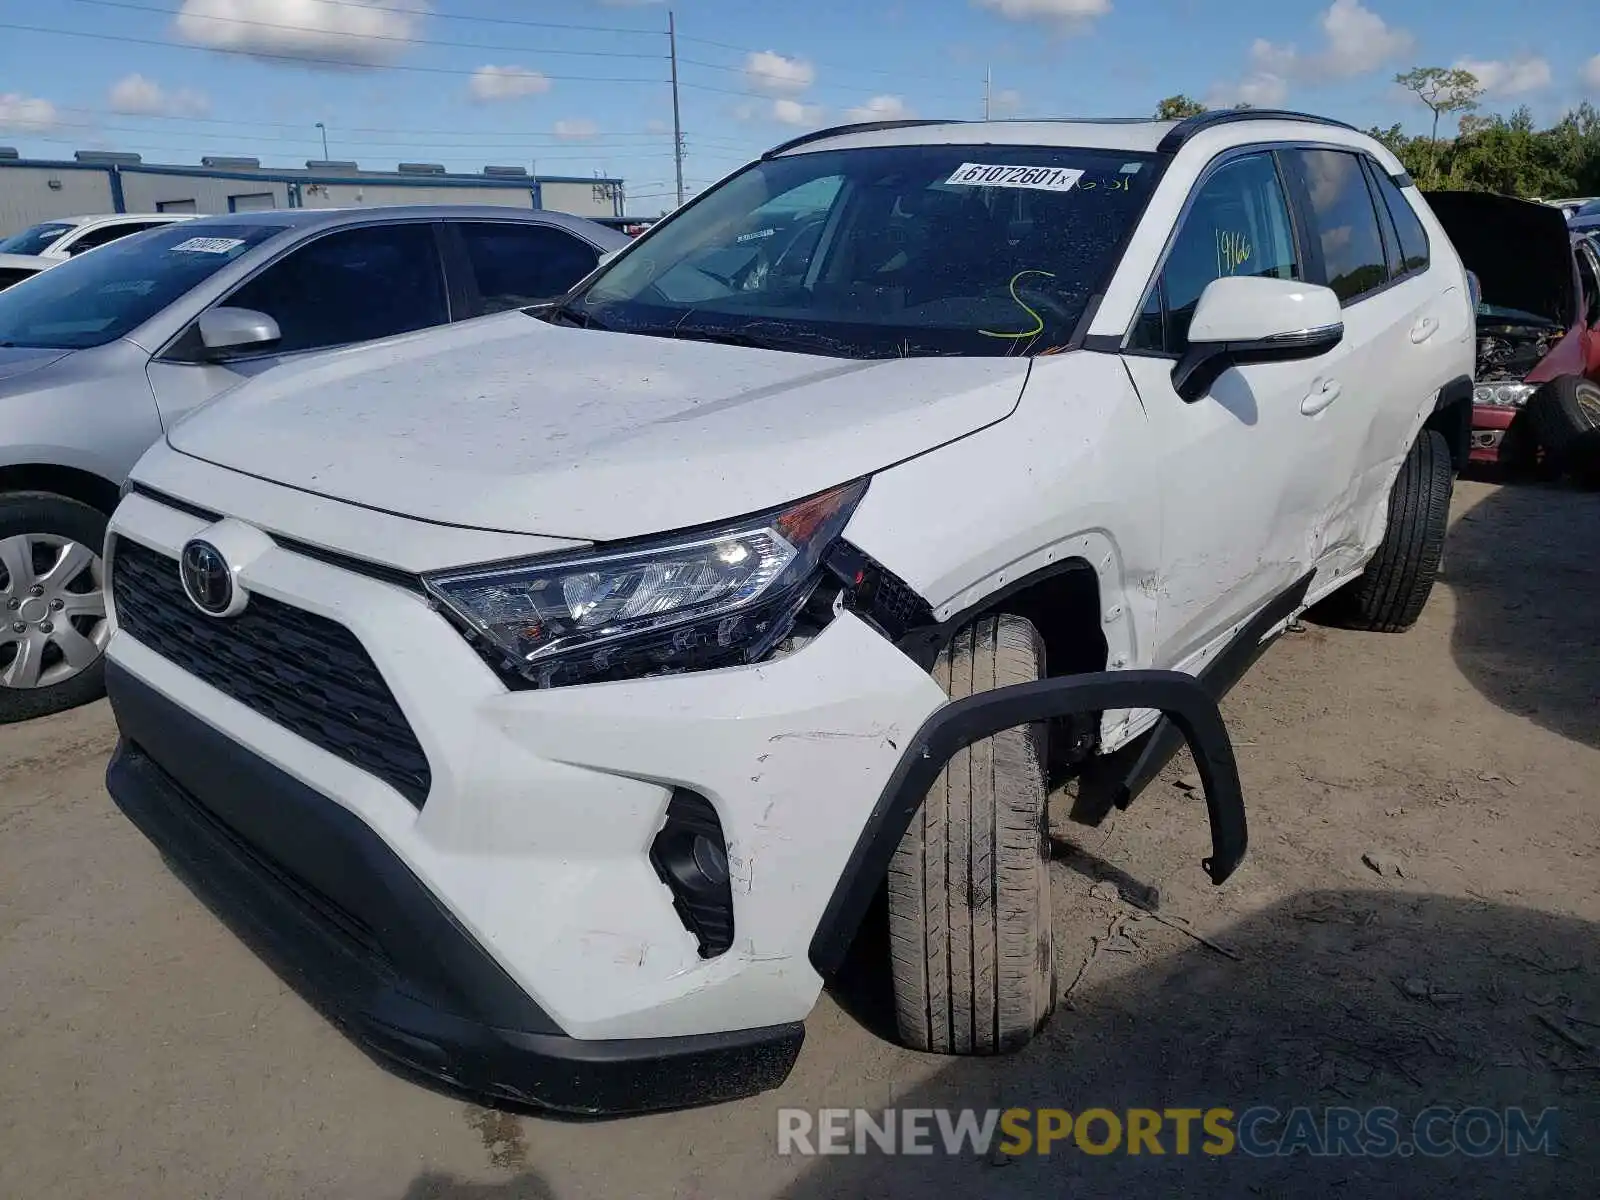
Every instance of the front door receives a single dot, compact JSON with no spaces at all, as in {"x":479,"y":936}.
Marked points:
{"x":341,"y":289}
{"x":1238,"y":480}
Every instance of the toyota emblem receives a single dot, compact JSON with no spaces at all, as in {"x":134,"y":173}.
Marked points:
{"x":207,"y":579}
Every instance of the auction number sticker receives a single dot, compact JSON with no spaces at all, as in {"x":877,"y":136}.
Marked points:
{"x":1044,"y":179}
{"x":209,"y":245}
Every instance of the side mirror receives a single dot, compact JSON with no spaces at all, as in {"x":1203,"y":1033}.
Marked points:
{"x":236,"y":328}
{"x":608,"y":256}
{"x":1247,"y":319}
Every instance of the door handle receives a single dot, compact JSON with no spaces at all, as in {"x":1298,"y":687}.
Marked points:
{"x":1321,"y":398}
{"x":1423,"y":330}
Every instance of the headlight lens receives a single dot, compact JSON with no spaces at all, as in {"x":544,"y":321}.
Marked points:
{"x":1504,"y":395}
{"x":710,"y":598}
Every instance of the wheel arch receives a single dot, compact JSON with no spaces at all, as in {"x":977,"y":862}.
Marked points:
{"x":1452,"y":417}
{"x":74,"y":483}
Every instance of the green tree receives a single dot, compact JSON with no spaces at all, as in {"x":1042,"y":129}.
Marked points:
{"x":1443,"y":90}
{"x":1176,"y":108}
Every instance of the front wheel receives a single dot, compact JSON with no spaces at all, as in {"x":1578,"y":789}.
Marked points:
{"x":53,"y":626}
{"x":969,"y":885}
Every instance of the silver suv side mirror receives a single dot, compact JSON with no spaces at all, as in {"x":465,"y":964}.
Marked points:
{"x":235,"y":328}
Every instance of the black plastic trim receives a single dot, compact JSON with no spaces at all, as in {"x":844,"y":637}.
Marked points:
{"x":924,"y":643}
{"x":833,"y":131}
{"x":1203,"y":363}
{"x":323,"y":899}
{"x":183,"y":506}
{"x":1187,"y":129}
{"x":1117,"y":779}
{"x":1186,"y":701}
{"x":1404,"y":180}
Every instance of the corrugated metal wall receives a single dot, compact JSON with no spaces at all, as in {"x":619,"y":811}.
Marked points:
{"x":579,"y":199}
{"x":148,"y":192}
{"x":26,"y":196}
{"x":356,"y":195}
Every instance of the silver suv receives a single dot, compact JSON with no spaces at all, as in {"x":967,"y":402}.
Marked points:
{"x":102,"y":353}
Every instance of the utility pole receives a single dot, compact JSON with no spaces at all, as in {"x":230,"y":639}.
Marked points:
{"x":324,"y":129}
{"x":988,"y":88}
{"x":677,"y":124}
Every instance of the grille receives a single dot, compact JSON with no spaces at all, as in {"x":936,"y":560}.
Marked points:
{"x":305,"y":672}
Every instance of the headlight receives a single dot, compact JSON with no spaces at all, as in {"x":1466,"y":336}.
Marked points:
{"x":709,"y":598}
{"x":1503,"y":395}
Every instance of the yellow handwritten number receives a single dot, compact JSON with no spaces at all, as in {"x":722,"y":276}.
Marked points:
{"x":1038,"y":327}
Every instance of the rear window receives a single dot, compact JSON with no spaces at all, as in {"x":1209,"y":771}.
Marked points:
{"x":1344,"y":219}
{"x":1413,"y":237}
{"x":97,"y":298}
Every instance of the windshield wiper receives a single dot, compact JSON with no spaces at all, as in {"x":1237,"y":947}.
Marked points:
{"x":566,"y":313}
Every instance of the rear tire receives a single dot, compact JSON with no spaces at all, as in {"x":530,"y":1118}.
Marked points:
{"x":1562,"y":411}
{"x":969,"y":885}
{"x":1389,"y":595}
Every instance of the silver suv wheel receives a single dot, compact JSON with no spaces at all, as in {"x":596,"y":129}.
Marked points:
{"x":53,"y":623}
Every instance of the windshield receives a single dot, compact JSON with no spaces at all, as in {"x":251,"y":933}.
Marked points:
{"x":884,"y":252}
{"x":97,"y":298}
{"x":34,"y":240}
{"x":1591,"y":209}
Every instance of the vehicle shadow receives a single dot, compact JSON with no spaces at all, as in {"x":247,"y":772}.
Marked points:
{"x":1524,"y":567}
{"x":1338,"y":999}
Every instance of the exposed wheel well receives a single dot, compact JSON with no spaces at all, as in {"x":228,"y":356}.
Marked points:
{"x":1064,"y":607}
{"x":83,"y":486}
{"x":1453,"y":418}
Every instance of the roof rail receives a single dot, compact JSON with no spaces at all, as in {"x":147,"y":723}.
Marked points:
{"x":818,"y":135}
{"x":1187,"y":128}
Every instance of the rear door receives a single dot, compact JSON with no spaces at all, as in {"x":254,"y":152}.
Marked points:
{"x":341,"y":288}
{"x":1365,"y":242}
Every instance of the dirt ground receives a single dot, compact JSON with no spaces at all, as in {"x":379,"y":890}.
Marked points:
{"x":145,"y":1052}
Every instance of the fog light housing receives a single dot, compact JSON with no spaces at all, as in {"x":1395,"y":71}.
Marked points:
{"x":690,"y":856}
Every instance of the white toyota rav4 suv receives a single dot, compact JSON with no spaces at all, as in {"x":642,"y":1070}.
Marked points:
{"x":554,"y":694}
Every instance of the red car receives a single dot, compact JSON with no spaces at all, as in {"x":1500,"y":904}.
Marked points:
{"x":1538,"y":324}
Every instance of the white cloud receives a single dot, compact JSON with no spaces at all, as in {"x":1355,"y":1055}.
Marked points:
{"x":792,"y":112}
{"x":777,"y":74}
{"x":26,"y":114}
{"x":881,"y":108}
{"x":1510,"y":78}
{"x":1356,"y":40}
{"x":506,"y":83}
{"x":1259,"y":89}
{"x":139,"y":96}
{"x":366,"y":34}
{"x":1070,"y":15}
{"x":1591,"y":73}
{"x":576,"y":130}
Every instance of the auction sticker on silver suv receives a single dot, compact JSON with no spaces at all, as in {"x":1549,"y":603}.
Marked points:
{"x":1044,"y":179}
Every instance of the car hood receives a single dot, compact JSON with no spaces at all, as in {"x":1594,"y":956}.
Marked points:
{"x":510,"y":423}
{"x":1521,"y":251}
{"x":16,"y":361}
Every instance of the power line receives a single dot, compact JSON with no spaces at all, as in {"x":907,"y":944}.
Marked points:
{"x":446,"y":16}
{"x":301,"y":58}
{"x":374,"y":37}
{"x":455,"y":132}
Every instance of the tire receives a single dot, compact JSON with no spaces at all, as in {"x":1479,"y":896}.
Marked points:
{"x":969,"y":885}
{"x":1562,"y":411}
{"x":1389,"y":595}
{"x":33,"y":527}
{"x":1520,"y":456}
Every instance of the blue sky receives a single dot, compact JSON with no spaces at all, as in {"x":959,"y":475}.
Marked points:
{"x":580,"y":86}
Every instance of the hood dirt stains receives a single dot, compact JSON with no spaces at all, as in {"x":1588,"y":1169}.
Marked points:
{"x":502,"y":1137}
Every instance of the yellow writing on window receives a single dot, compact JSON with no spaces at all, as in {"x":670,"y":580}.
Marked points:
{"x":1233,"y":251}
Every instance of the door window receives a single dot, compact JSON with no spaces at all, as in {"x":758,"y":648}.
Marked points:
{"x":351,"y":286}
{"x":519,"y":265}
{"x":1344,"y":222}
{"x":1237,"y":224}
{"x":1413,"y":237}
